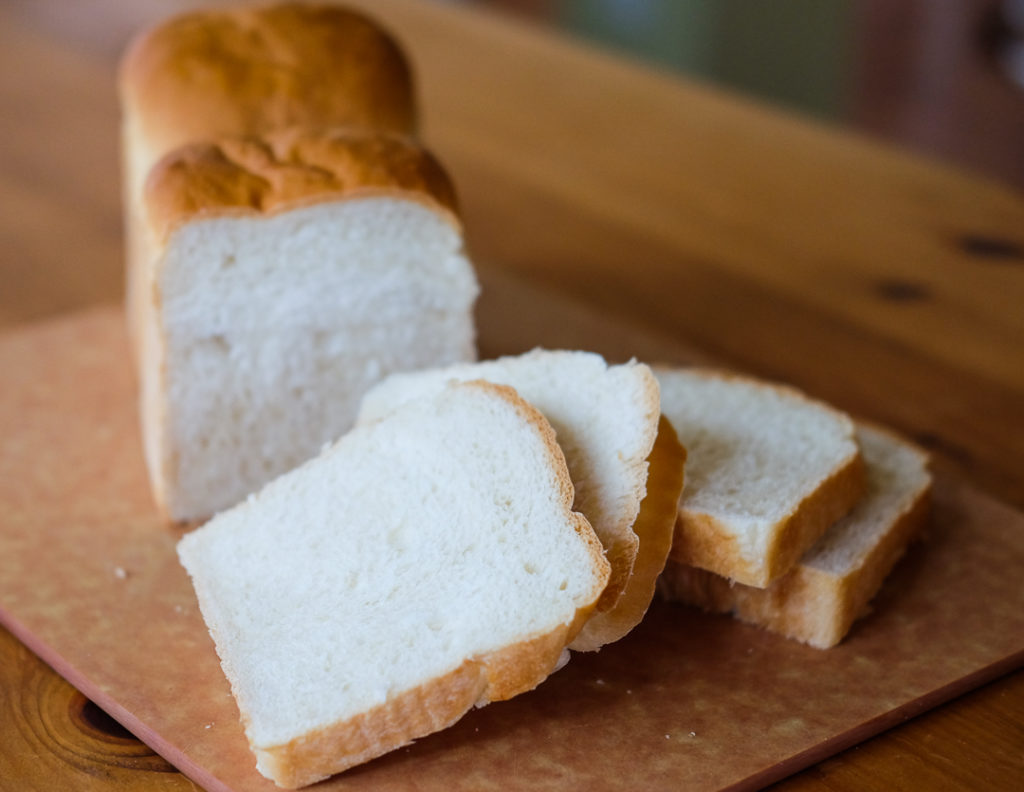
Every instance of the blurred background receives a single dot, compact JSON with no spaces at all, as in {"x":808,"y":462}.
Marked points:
{"x":943,"y":77}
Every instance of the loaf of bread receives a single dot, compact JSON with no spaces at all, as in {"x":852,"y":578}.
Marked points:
{"x":275,"y":272}
{"x":819,"y":599}
{"x":768,"y":471}
{"x":425,"y":564}
{"x":624,"y":460}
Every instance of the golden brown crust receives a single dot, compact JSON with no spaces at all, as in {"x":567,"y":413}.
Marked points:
{"x":702,"y":541}
{"x":812,"y":517}
{"x":654,"y":526}
{"x":423,"y":710}
{"x":288,"y":169}
{"x":807,"y":604}
{"x":414,"y":713}
{"x":619,"y":536}
{"x":240,"y":71}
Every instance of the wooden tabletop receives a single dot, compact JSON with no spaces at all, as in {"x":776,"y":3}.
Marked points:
{"x":887,"y":284}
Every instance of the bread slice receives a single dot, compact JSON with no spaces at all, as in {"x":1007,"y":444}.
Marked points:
{"x":284,"y":276}
{"x":624,"y":460}
{"x":818,"y":600}
{"x":768,"y":471}
{"x":424,"y":564}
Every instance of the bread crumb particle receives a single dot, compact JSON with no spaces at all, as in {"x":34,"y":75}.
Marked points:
{"x":120,"y":572}
{"x":668,"y":736}
{"x":693,"y":734}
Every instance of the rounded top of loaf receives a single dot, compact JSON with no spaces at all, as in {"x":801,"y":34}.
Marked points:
{"x":239,"y":71}
{"x":290,"y":168}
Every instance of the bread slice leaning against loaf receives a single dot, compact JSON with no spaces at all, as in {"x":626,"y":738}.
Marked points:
{"x":423,"y":565}
{"x":286,"y":275}
{"x":625,"y":462}
{"x":818,"y":600}
{"x":768,"y":471}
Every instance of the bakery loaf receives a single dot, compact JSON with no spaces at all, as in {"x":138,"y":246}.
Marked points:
{"x":288,"y":274}
{"x":424,"y":564}
{"x":625,"y":462}
{"x":275,"y":272}
{"x":818,"y":600}
{"x":768,"y":471}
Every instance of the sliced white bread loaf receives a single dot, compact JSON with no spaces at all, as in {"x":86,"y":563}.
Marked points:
{"x":768,"y":471}
{"x":818,"y":600}
{"x":625,"y":462}
{"x":273,"y":275}
{"x":424,"y":564}
{"x":284,"y":276}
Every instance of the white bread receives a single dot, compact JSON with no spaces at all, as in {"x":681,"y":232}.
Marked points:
{"x":606,"y":419}
{"x":818,"y":600}
{"x":288,"y":243}
{"x":286,"y":276}
{"x":424,"y":564}
{"x":768,"y":471}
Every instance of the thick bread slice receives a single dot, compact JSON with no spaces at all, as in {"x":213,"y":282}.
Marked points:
{"x":818,"y":600}
{"x":282,"y":277}
{"x":423,"y":565}
{"x":627,"y":482}
{"x":768,"y":471}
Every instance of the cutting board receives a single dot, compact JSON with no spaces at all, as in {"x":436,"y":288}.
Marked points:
{"x":89,"y":580}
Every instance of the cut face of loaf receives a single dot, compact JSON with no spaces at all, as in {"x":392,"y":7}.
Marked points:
{"x":281,"y":277}
{"x":768,"y":470}
{"x":627,"y":482}
{"x":424,"y":564}
{"x":819,"y":599}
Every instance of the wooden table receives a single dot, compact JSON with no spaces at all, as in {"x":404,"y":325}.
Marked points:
{"x":889,"y":285}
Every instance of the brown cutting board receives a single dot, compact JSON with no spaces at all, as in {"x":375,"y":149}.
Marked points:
{"x":89,"y":580}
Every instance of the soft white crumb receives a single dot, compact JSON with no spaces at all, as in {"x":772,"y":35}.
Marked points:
{"x":120,"y":572}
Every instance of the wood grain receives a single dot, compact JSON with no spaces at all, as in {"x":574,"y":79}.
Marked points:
{"x":50,"y":731}
{"x":880,"y":281}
